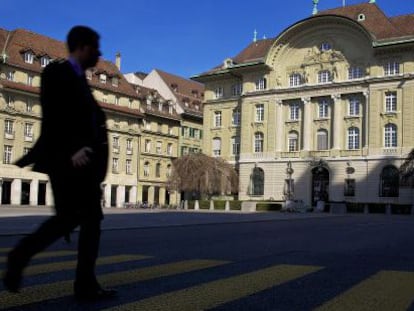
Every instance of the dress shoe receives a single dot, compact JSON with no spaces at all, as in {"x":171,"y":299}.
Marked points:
{"x":97,"y":294}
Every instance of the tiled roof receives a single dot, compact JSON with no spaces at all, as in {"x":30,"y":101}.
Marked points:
{"x":19,"y":86}
{"x":185,"y":90}
{"x":376,"y":22}
{"x":21,"y":40}
{"x":121,"y":109}
{"x":405,"y":23}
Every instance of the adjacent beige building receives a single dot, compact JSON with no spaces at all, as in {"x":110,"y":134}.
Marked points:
{"x":23,"y":56}
{"x":332,"y":96}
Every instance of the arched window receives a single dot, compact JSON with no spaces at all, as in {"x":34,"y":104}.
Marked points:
{"x":257,"y":181}
{"x":146,"y":169}
{"x":258,"y":142}
{"x":293,"y":141}
{"x":389,"y":182}
{"x":216,"y":147}
{"x":158,"y":170}
{"x":322,"y":140}
{"x":390,"y":136}
{"x":353,"y":138}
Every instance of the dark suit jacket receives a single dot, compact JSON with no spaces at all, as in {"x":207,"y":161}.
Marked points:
{"x":71,"y":120}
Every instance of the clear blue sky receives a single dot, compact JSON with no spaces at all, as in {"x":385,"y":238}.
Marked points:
{"x":184,"y":37}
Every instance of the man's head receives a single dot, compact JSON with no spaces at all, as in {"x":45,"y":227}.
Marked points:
{"x":83,"y":44}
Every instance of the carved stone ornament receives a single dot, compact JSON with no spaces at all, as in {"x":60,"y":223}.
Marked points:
{"x":316,"y":56}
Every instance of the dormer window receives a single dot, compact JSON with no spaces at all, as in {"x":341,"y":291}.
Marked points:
{"x":361,"y":17}
{"x":295,"y":79}
{"x":115,"y":81}
{"x":102,"y":78}
{"x":261,"y":84}
{"x":44,"y":61}
{"x":194,"y":93}
{"x":160,"y":106}
{"x":28,"y":57}
{"x":228,"y":63}
{"x":88,"y":74}
{"x":174,"y":87}
{"x":325,"y":46}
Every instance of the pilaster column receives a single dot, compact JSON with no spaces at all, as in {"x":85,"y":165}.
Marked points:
{"x":133,"y":194}
{"x":34,"y":189}
{"x":120,"y":196}
{"x":306,"y":136}
{"x":366,"y":120}
{"x":49,"y":195}
{"x":162,"y":196}
{"x":107,"y":195}
{"x":280,"y":137}
{"x":16,"y":192}
{"x":338,"y":122}
{"x":151,"y":195}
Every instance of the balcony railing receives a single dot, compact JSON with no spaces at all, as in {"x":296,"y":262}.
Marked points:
{"x":129,"y":151}
{"x":9,"y":135}
{"x":290,"y":154}
{"x":28,"y":138}
{"x":320,"y":153}
{"x":351,"y":153}
{"x":115,"y":149}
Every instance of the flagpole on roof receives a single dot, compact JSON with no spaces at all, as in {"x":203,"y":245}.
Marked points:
{"x":315,"y":7}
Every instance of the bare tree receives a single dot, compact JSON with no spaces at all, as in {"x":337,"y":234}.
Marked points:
{"x":200,"y":173}
{"x":407,"y":169}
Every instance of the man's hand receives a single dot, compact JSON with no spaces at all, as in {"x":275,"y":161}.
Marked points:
{"x":81,"y":157}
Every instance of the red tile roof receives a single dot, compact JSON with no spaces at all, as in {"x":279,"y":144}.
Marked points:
{"x":125,"y":110}
{"x":185,"y":90}
{"x":19,"y":86}
{"x":376,"y":23}
{"x":21,"y":40}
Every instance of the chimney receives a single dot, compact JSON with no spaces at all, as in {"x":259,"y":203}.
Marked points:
{"x":118,"y":60}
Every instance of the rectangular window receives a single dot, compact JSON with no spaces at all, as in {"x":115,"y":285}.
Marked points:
{"x":261,"y":84}
{"x":216,"y":147}
{"x":235,"y":145}
{"x":237,"y":89}
{"x":184,"y":150}
{"x":8,"y":126}
{"x":392,"y":68}
{"x":169,"y":149}
{"x":294,"y":112}
{"x":391,"y":102}
{"x":129,"y":146}
{"x":217,"y":119}
{"x":10,"y":101}
{"x":117,"y":100}
{"x":322,"y":140}
{"x":7,"y":157}
{"x":102,"y":78}
{"x":236,"y":117}
{"x":115,"y":165}
{"x":104,"y":97}
{"x":353,"y":107}
{"x":115,"y":81}
{"x":26,"y":150}
{"x":159,"y":127}
{"x":147,"y":145}
{"x":259,"y":113}
{"x":10,"y":75}
{"x":28,"y":58}
{"x":197,"y":133}
{"x":293,"y":144}
{"x":295,"y":79}
{"x":159,"y":147}
{"x":219,"y":92}
{"x":44,"y":61}
{"x":115,"y":142}
{"x":355,"y":73}
{"x":323,"y":109}
{"x":349,"y":189}
{"x":30,"y":80}
{"x":324,"y":76}
{"x":29,"y":105}
{"x":128,"y":166}
{"x":28,"y":130}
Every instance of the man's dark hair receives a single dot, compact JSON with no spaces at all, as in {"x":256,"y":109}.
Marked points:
{"x":80,"y":36}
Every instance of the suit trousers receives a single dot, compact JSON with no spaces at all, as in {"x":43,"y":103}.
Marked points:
{"x":77,"y":203}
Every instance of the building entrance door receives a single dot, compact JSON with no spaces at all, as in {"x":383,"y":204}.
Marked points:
{"x":320,"y":185}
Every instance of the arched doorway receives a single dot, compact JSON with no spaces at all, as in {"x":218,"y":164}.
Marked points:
{"x":320,"y":184}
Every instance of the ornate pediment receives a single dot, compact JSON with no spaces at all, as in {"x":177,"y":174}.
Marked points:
{"x":316,"y":56}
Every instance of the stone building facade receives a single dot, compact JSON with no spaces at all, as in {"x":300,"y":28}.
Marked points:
{"x":332,"y":96}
